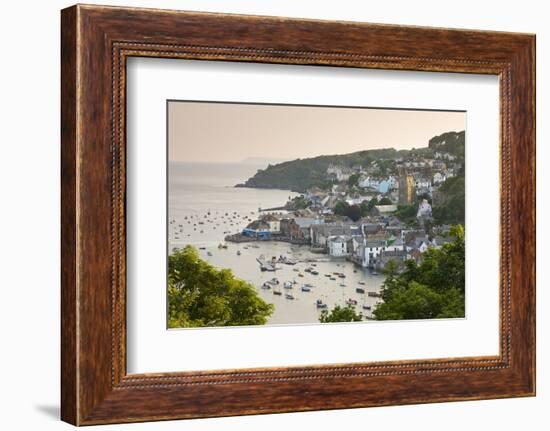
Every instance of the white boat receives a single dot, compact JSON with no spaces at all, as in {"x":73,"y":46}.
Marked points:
{"x":287,"y":285}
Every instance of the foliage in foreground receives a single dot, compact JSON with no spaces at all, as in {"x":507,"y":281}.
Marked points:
{"x":201,"y":295}
{"x":432,"y":289}
{"x":340,"y":314}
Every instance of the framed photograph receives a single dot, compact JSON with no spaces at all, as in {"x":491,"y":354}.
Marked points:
{"x":267,"y":215}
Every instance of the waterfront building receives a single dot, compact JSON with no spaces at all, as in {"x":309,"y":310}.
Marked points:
{"x":386,"y":256}
{"x":257,"y":229}
{"x":337,"y":246}
{"x":273,"y":222}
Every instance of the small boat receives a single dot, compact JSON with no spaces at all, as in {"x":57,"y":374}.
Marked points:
{"x":238,"y":252}
{"x":209,"y":253}
{"x":351,"y":302}
{"x":315,"y":272}
{"x":266,"y":286}
{"x":202,"y":248}
{"x":374,"y":294}
{"x":275,"y":280}
{"x":277,"y":292}
{"x":295,"y":269}
{"x":360,"y":290}
{"x":287,"y":285}
{"x":327,"y":275}
{"x":320,"y":304}
{"x":374,"y":273}
{"x":333,"y":278}
{"x":289,"y":296}
{"x":306,"y":288}
{"x":342,"y":285}
{"x":366,"y":307}
{"x":300,"y":275}
{"x":342,"y":275}
{"x":362,"y":283}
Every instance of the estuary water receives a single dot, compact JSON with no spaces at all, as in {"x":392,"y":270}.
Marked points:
{"x":204,"y":207}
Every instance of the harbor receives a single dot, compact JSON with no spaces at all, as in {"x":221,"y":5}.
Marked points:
{"x":203,"y":213}
{"x":298,"y":282}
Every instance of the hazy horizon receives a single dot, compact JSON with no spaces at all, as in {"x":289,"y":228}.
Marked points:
{"x":244,"y":133}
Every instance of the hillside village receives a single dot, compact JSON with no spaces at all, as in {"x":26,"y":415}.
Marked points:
{"x":391,"y":207}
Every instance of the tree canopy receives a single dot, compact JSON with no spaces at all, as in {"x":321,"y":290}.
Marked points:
{"x":201,"y":295}
{"x":450,"y":208}
{"x":340,"y":314}
{"x":431,"y":289}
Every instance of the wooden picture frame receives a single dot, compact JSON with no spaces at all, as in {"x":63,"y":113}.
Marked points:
{"x":95,"y":43}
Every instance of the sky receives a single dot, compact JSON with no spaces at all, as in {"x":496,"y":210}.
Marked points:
{"x":222,"y":132}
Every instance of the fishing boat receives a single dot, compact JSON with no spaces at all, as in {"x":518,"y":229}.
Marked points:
{"x":360,"y":290}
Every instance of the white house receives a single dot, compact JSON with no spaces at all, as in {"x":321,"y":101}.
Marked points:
{"x":337,"y":246}
{"x":424,"y":209}
{"x":439,"y":178}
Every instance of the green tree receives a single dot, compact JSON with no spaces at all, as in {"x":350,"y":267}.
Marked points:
{"x":367,"y":206}
{"x":341,"y":208}
{"x":354,"y":212}
{"x":450,"y":205}
{"x":353,"y":180}
{"x":201,"y":295}
{"x":385,"y":201}
{"x":432,"y":289}
{"x":340,"y":314}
